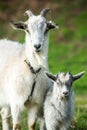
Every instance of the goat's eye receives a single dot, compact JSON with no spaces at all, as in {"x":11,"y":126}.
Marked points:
{"x":69,"y":84}
{"x":28,"y":31}
{"x":47,"y":29}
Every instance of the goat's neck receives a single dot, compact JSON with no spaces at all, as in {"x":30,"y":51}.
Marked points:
{"x":37,"y":59}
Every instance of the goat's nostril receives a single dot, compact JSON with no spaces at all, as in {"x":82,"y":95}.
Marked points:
{"x":65,"y":93}
{"x":37,"y":46}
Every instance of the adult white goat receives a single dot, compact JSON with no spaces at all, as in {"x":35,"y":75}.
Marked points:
{"x":59,"y":102}
{"x":22,"y":82}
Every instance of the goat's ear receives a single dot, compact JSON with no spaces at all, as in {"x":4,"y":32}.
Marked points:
{"x":77,"y":76}
{"x":51,"y":25}
{"x":52,"y":77}
{"x":18,"y":25}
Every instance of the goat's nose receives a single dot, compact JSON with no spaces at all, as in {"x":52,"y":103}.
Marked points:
{"x":37,"y":46}
{"x":65,"y":93}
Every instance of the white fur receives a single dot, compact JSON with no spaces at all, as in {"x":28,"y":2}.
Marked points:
{"x":59,"y":103}
{"x":16,"y":78}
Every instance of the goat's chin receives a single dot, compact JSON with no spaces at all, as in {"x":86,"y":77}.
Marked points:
{"x":38,"y":51}
{"x":40,"y":59}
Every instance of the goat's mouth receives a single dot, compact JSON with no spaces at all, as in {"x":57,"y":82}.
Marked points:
{"x":64,"y":97}
{"x":38,"y":50}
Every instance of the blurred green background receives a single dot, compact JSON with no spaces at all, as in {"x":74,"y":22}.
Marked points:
{"x":68,"y":44}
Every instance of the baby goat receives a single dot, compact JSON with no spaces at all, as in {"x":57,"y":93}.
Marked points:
{"x":59,"y":102}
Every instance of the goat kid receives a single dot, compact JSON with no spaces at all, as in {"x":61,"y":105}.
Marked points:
{"x":22,"y":83}
{"x":59,"y":102}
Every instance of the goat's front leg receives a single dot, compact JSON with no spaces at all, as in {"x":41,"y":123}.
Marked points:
{"x":5,"y":114}
{"x":42,"y":124}
{"x":16,"y":116}
{"x":32,"y":117}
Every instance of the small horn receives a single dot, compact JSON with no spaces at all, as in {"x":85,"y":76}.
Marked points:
{"x":28,"y":13}
{"x":44,"y":11}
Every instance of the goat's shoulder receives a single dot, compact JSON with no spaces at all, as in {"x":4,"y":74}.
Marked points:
{"x":9,"y":50}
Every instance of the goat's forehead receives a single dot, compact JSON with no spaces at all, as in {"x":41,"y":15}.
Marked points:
{"x":64,"y":77}
{"x":36,"y":20}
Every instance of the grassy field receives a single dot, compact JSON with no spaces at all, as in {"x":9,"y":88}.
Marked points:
{"x":67,"y":52}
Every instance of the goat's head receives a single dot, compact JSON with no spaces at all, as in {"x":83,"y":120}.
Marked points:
{"x":63,"y":83}
{"x":36,"y":27}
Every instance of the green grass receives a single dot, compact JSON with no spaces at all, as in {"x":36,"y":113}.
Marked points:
{"x":80,"y":117}
{"x":68,"y":52}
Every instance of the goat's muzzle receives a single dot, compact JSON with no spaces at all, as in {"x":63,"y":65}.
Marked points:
{"x":37,"y":47}
{"x":65,"y":93}
{"x":65,"y":96}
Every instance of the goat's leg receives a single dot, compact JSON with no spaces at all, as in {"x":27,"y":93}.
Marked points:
{"x":41,"y":120}
{"x":50,"y":125}
{"x":42,"y":124}
{"x":32,"y":116}
{"x":65,"y":126}
{"x":5,"y":114}
{"x":16,"y":116}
